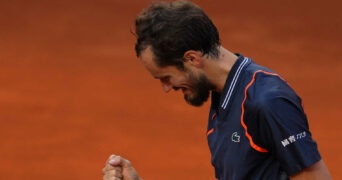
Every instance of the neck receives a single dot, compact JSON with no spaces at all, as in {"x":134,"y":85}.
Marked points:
{"x":219,"y":69}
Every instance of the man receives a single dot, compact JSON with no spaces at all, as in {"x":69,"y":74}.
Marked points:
{"x":257,"y":128}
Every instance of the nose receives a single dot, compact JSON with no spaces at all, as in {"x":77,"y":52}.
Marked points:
{"x":166,"y":87}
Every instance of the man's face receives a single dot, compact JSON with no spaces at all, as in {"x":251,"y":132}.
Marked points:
{"x":195,"y":85}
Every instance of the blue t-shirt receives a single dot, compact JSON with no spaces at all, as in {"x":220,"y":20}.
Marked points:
{"x":257,"y":127}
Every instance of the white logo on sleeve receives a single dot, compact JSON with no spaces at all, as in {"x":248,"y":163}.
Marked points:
{"x":293,"y":138}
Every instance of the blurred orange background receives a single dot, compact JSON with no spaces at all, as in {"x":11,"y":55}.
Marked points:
{"x":72,"y":91}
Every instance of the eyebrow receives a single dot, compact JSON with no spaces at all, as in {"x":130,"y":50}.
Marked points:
{"x":157,"y":77}
{"x":160,"y":77}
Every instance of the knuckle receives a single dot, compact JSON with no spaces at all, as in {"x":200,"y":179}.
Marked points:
{"x":110,"y":157}
{"x":128,"y":162}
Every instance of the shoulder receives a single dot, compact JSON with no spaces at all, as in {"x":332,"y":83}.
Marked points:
{"x":266,"y":87}
{"x":270,"y":101}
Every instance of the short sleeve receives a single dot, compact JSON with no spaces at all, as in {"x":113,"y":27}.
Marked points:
{"x":278,"y":123}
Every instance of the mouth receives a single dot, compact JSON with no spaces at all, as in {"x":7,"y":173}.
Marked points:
{"x":184,"y":90}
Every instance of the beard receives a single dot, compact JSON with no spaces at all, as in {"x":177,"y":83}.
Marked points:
{"x":200,"y":87}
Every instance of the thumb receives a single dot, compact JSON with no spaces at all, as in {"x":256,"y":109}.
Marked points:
{"x":119,"y":161}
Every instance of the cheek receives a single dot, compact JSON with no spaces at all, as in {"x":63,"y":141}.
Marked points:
{"x":180,"y":82}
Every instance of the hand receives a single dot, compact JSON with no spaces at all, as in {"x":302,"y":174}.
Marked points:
{"x":118,"y":168}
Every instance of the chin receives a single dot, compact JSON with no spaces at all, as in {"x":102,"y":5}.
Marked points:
{"x":197,"y":102}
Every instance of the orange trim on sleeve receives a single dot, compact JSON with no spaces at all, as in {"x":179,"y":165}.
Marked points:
{"x":251,"y":142}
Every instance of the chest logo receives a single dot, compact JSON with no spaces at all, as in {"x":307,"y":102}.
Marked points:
{"x":235,"y":137}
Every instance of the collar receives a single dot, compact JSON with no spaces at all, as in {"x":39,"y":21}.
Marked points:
{"x":231,"y":81}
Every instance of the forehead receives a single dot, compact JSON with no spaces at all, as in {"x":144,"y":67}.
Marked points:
{"x":147,"y":59}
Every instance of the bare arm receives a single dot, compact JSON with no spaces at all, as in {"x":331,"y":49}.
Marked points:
{"x":317,"y":171}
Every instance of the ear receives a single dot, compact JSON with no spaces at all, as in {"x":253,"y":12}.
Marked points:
{"x":193,"y":58}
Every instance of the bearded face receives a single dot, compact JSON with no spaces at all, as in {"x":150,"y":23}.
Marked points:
{"x":200,"y":89}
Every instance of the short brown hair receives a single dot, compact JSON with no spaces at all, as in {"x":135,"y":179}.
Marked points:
{"x":172,"y":28}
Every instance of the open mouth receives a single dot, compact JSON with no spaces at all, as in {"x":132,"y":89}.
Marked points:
{"x":184,"y":90}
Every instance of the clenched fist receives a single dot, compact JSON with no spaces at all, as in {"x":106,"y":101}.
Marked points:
{"x":118,"y":168}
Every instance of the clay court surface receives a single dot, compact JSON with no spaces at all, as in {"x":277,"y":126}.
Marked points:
{"x":72,"y":91}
